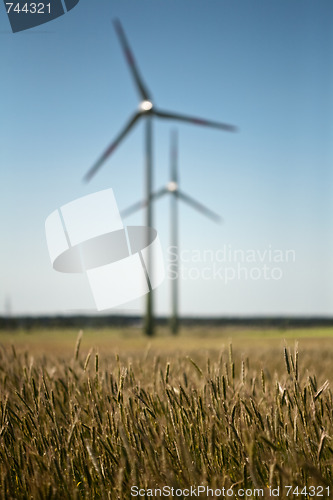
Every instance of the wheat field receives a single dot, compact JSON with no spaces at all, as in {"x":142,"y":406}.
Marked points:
{"x":207,"y":418}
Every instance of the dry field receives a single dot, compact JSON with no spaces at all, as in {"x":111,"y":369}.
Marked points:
{"x":245,"y":413}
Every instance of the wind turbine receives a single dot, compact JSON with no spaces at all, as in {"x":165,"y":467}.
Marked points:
{"x":172,"y":188}
{"x":146,"y":110}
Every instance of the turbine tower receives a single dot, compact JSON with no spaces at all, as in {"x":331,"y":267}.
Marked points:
{"x":146,"y":110}
{"x":172,"y":188}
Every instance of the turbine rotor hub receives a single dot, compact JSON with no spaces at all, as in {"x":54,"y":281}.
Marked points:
{"x":172,"y":186}
{"x":146,"y":106}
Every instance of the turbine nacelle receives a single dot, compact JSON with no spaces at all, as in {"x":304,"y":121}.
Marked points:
{"x":172,"y":187}
{"x":146,"y":109}
{"x":145,"y":106}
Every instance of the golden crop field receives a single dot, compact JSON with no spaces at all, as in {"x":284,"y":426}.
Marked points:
{"x":213,"y":413}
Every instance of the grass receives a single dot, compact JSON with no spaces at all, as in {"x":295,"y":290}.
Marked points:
{"x":132,"y":339}
{"x":83,"y":422}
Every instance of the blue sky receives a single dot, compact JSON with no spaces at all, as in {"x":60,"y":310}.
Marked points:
{"x":264,"y":66}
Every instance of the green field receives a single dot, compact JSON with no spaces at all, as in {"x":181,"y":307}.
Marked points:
{"x":235,"y":410}
{"x":127,"y":339}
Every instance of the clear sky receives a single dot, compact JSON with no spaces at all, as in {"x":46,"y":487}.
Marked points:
{"x":262,"y":65}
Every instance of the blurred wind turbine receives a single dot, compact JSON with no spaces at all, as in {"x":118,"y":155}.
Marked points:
{"x":172,"y":188}
{"x":146,"y":110}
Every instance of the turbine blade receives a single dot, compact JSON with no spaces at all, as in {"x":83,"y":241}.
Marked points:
{"x":133,"y":208}
{"x":142,"y":204}
{"x":193,"y":120}
{"x":161,"y":192}
{"x":174,"y":156}
{"x":198,"y":206}
{"x":111,"y":148}
{"x":144,"y":94}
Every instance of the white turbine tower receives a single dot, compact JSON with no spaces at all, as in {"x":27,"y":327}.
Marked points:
{"x":172,"y":189}
{"x":146,"y":110}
